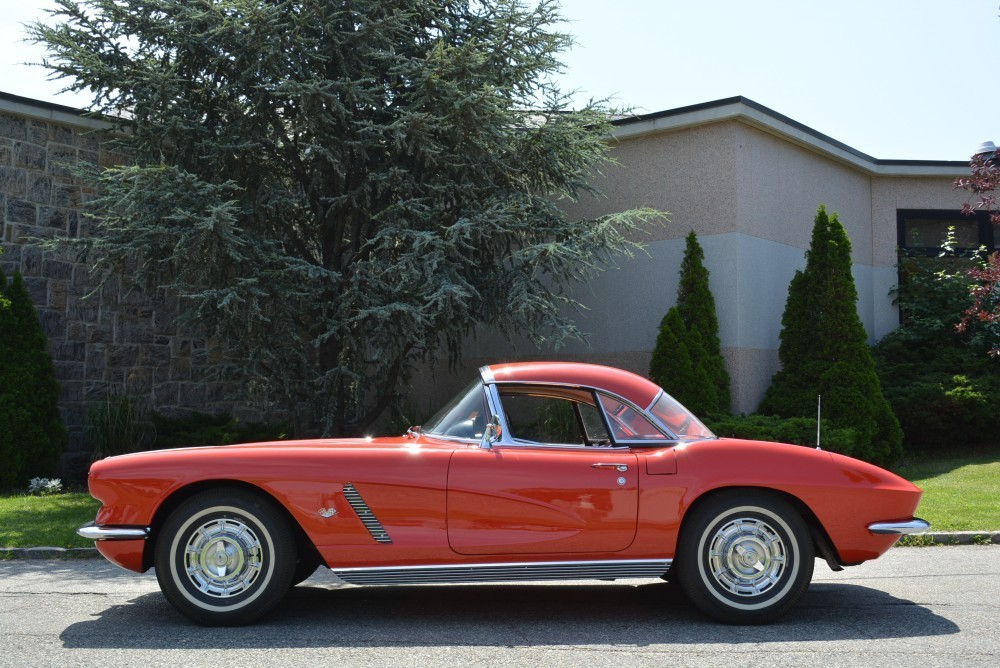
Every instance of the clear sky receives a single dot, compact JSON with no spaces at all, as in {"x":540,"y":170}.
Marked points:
{"x":904,"y":79}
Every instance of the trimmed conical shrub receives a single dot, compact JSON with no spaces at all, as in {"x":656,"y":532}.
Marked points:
{"x":32,"y":436}
{"x":687,"y":359}
{"x":824,"y":350}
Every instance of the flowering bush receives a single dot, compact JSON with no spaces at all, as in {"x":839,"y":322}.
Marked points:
{"x":44,"y":486}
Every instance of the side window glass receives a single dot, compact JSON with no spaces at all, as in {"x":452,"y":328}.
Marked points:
{"x":541,"y":419}
{"x":597,"y":431}
{"x":627,"y":424}
{"x":538,"y":418}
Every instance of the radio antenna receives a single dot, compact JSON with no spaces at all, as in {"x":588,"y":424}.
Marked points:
{"x":819,"y":417}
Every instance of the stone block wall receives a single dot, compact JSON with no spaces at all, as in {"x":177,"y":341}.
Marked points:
{"x":119,"y":340}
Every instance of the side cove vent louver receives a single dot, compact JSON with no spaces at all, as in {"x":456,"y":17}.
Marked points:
{"x":365,"y":514}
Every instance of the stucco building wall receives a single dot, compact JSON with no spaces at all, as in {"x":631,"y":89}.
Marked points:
{"x":749,"y":184}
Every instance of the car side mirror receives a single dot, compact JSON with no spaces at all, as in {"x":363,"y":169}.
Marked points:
{"x":492,"y":434}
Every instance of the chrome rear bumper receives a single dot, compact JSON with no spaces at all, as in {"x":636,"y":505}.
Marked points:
{"x":93,"y":532}
{"x":916,"y":525}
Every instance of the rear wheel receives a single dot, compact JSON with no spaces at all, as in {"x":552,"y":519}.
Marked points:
{"x":745,"y":557}
{"x":225,"y":557}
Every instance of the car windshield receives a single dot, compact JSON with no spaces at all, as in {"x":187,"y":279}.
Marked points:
{"x":679,"y":419}
{"x":462,"y":417}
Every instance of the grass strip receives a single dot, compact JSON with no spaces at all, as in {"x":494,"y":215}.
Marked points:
{"x":961,"y":491}
{"x":45,"y":521}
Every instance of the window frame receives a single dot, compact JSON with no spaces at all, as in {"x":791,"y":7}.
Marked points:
{"x":986,"y":233}
{"x":562,"y":391}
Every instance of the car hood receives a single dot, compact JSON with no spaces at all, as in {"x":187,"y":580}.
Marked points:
{"x":365,"y":443}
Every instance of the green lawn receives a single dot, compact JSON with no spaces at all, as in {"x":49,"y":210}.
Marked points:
{"x":45,"y":521}
{"x":961,"y":492}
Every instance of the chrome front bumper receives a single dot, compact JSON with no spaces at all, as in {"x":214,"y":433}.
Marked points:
{"x":916,"y":525}
{"x":93,"y":532}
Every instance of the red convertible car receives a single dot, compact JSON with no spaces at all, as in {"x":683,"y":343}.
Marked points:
{"x":535,"y":471}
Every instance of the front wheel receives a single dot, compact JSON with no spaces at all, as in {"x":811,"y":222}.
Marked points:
{"x":745,"y":557}
{"x":225,"y":557}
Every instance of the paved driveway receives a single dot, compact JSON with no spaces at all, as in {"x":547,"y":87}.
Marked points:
{"x":921,"y":607}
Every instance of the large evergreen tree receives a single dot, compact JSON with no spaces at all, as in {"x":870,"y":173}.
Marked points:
{"x":31,"y":433}
{"x":824,"y":350}
{"x":339,"y":189}
{"x":687,"y":358}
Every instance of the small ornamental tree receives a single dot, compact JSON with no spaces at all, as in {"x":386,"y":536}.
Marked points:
{"x":983,"y":314}
{"x":984,"y":311}
{"x":824,"y":351}
{"x":687,"y":359}
{"x":31,"y":434}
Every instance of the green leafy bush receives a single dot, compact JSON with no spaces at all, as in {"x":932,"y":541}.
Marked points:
{"x":799,"y":431}
{"x":206,"y":429}
{"x":942,"y":385}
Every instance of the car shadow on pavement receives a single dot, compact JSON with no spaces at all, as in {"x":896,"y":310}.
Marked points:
{"x":613,"y":614}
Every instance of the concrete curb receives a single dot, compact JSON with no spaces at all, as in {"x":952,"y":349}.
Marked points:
{"x":914,"y":540}
{"x":952,"y":538}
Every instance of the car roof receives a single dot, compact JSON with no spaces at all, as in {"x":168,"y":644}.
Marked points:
{"x":640,"y":391}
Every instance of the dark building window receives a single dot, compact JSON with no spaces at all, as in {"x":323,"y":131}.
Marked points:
{"x":921,"y":232}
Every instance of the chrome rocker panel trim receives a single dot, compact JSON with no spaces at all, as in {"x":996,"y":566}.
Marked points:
{"x":93,"y":532}
{"x":504,"y":572}
{"x":916,"y":525}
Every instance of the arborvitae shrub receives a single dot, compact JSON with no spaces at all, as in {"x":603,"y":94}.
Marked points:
{"x":687,"y":359}
{"x":671,"y":366}
{"x":32,"y":436}
{"x":824,"y":351}
{"x":697,"y":308}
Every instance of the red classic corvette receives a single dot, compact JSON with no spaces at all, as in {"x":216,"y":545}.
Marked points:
{"x":535,"y":471}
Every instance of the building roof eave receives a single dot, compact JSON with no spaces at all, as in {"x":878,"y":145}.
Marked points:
{"x":49,"y":111}
{"x":744,"y":110}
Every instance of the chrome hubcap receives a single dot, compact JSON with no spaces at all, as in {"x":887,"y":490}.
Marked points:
{"x":747,"y":557}
{"x":223,"y":558}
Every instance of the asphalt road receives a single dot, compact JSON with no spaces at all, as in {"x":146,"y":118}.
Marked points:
{"x":935,"y":606}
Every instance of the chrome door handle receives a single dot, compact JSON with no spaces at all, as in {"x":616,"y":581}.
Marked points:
{"x":617,"y":467}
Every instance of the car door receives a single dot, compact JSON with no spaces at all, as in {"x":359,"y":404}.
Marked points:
{"x":554,"y":484}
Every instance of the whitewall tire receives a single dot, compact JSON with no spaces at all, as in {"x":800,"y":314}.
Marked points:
{"x":225,"y":557}
{"x":745,"y":557}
